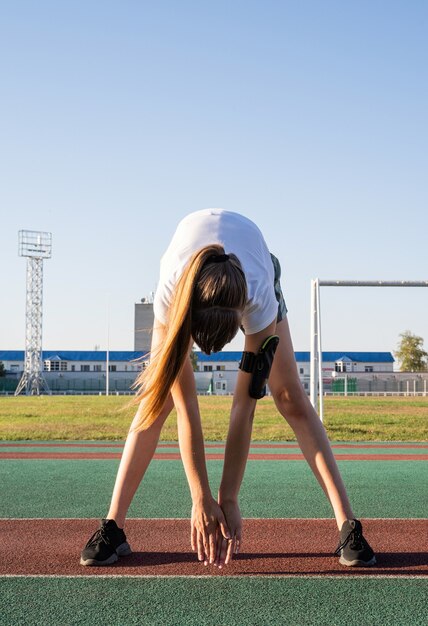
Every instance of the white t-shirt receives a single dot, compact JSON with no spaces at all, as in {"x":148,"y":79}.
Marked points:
{"x":238,"y":235}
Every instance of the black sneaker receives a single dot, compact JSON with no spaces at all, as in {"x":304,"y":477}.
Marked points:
{"x":353,"y":548}
{"x":106,"y":545}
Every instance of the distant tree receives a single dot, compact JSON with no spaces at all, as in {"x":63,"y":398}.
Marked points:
{"x":2,"y":370}
{"x":411,"y":354}
{"x":194,"y":360}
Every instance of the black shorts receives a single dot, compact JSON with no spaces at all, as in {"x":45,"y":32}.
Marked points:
{"x":282,"y":307}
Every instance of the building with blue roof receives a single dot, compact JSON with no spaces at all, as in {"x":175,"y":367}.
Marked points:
{"x":84,"y":371}
{"x":75,"y":355}
{"x":224,"y":366}
{"x":78,"y":371}
{"x":304,"y":357}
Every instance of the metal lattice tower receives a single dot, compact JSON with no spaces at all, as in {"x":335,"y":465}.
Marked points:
{"x":36,"y":246}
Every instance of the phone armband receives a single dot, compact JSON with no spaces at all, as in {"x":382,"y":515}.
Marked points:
{"x":259,"y":365}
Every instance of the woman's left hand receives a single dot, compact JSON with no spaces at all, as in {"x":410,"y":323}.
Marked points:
{"x":226,"y":548}
{"x":208,"y":527}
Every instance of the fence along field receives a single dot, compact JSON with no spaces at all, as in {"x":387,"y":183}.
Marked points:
{"x":108,"y":418}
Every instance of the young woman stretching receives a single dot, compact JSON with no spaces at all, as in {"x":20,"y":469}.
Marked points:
{"x":217,"y":276}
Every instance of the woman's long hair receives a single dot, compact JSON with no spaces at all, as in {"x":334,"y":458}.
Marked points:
{"x":207,"y":307}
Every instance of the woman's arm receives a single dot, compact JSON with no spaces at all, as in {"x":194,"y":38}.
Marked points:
{"x":237,"y":447}
{"x":207,"y":515}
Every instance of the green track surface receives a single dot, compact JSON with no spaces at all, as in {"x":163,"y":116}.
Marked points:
{"x":213,"y":602}
{"x":71,"y":488}
{"x":82,"y":489}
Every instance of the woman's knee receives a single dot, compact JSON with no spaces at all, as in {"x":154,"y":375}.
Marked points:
{"x":157,"y":425}
{"x":291,"y":401}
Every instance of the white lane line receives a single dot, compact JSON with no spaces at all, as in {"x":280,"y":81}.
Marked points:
{"x":211,"y":577}
{"x":264,"y":519}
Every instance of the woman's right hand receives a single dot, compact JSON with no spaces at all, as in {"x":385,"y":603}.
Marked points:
{"x":207,"y":520}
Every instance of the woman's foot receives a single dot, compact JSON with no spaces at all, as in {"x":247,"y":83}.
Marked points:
{"x":106,"y":545}
{"x":353,"y":549}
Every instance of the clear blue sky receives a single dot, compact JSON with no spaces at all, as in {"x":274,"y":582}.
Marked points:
{"x":119,"y":117}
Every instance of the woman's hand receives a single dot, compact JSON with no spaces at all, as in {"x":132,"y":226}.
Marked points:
{"x":208,"y":528}
{"x":226,"y":548}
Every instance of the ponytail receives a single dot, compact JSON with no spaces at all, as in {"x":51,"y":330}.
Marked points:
{"x":154,"y":383}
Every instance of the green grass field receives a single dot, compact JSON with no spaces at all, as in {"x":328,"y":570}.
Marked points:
{"x":98,"y":417}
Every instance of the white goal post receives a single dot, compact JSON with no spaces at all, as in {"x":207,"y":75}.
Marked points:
{"x":316,"y":378}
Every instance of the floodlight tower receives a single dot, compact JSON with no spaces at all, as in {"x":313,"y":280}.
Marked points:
{"x":36,"y":246}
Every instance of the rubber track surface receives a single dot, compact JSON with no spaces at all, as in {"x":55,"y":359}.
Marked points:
{"x":102,"y":444}
{"x":279,"y":547}
{"x":209,"y":456}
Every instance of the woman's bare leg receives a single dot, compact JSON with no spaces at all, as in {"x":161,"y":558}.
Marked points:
{"x":293,"y":403}
{"x":137,"y":454}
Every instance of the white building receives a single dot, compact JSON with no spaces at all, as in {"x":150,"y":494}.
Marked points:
{"x":74,"y":371}
{"x":78,"y":371}
{"x":223,"y":367}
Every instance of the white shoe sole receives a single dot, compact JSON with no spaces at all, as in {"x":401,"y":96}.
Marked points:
{"x":357,"y":563}
{"x":123,"y":550}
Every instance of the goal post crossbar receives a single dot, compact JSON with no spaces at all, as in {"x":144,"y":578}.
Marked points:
{"x":316,"y":376}
{"x":372,"y":283}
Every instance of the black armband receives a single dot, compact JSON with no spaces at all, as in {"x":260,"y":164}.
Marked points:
{"x":259,"y":365}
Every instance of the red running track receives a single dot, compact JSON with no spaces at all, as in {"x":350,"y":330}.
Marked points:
{"x":277,"y":547}
{"x":268,"y":445}
{"x":171,"y":456}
